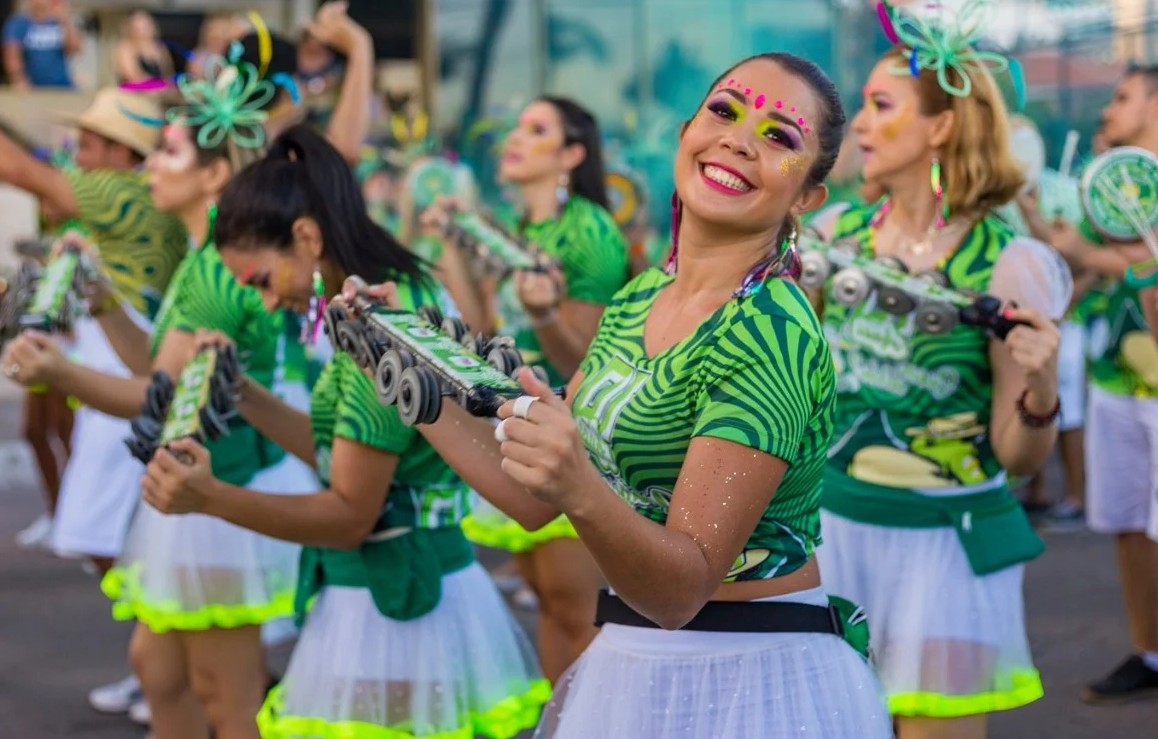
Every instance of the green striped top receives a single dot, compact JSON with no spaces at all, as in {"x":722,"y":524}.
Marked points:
{"x":757,"y":372}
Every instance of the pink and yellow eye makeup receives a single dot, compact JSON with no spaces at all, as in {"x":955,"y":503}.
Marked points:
{"x":533,"y":124}
{"x":730,"y":104}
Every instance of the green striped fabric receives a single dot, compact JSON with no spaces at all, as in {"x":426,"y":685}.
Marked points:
{"x":757,"y":373}
{"x":204,"y":294}
{"x":901,"y":390}
{"x":593,"y":256}
{"x":425,"y":492}
{"x":140,"y":247}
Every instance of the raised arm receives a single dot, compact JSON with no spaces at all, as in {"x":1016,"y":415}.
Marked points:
{"x":24,"y":171}
{"x":350,"y":121}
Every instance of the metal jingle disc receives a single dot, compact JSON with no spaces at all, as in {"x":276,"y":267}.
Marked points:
{"x":936,"y":318}
{"x":814,"y":269}
{"x":851,"y":286}
{"x":895,"y":301}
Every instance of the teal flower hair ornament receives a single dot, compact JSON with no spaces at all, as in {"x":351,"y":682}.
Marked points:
{"x":229,"y":102}
{"x":943,"y":46}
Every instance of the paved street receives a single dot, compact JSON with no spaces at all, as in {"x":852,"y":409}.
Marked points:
{"x":57,"y":640}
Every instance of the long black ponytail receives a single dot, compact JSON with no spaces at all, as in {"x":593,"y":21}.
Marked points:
{"x":303,"y":175}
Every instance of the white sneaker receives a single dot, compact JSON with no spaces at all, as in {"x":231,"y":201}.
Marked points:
{"x":140,"y":713}
{"x":116,"y":697}
{"x":38,"y":535}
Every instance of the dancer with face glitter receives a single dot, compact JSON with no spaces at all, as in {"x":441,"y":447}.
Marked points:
{"x":404,"y":631}
{"x":920,"y":526}
{"x":553,"y":156}
{"x":689,"y":453}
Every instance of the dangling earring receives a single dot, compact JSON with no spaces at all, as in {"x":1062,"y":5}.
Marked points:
{"x":563,"y":191}
{"x":789,"y":256}
{"x":938,"y":193}
{"x":789,"y":244}
{"x":676,"y":215}
{"x":316,"y":312}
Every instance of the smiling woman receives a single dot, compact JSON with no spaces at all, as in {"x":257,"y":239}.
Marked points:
{"x":690,"y":458}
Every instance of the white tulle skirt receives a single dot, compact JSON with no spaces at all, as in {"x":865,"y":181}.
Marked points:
{"x":464,"y":669}
{"x":638,"y":682}
{"x":945,"y":641}
{"x":195,"y":572}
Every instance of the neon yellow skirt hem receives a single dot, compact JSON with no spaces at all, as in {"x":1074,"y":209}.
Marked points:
{"x":508,"y":535}
{"x":122,"y":587}
{"x":504,"y":720}
{"x":1025,"y":690}
{"x":72,"y":401}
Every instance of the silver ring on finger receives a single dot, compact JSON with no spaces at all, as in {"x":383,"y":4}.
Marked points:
{"x":523,"y":406}
{"x":501,"y":432}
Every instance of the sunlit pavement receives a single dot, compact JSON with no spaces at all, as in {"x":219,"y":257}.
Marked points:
{"x":57,"y":640}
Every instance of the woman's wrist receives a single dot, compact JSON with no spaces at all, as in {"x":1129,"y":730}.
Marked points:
{"x":105,"y":304}
{"x":211,"y":497}
{"x":544,"y":319}
{"x":1038,"y":408}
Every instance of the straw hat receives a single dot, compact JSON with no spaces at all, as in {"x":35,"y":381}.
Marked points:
{"x":131,"y":118}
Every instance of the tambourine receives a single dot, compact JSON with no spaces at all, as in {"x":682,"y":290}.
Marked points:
{"x":625,"y":194}
{"x":1120,"y":193}
{"x":430,"y":178}
{"x":1120,"y":196}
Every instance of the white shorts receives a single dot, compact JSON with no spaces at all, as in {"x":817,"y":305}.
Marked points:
{"x":1122,"y":463}
{"x":1071,"y":376}
{"x":101,"y":483}
{"x":99,"y":489}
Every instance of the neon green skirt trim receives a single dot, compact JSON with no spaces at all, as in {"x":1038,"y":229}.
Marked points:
{"x":505,"y":719}
{"x":122,"y":585}
{"x":72,"y":401}
{"x":1026,"y":688}
{"x":504,"y":533}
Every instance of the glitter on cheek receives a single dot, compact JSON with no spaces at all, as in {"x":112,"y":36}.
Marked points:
{"x":791,"y":165}
{"x":892,"y":129}
{"x":284,"y":274}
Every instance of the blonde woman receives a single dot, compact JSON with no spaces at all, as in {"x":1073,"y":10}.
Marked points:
{"x":919,"y":523}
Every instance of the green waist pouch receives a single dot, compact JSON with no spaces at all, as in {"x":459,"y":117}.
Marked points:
{"x":403,"y":571}
{"x":991,"y":525}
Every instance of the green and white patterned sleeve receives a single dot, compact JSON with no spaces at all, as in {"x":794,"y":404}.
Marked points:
{"x":761,"y":384}
{"x":362,"y":418}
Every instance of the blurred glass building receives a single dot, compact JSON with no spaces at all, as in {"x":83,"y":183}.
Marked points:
{"x":643,"y":65}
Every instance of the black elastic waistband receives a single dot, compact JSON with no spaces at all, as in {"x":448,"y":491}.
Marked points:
{"x":729,"y":616}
